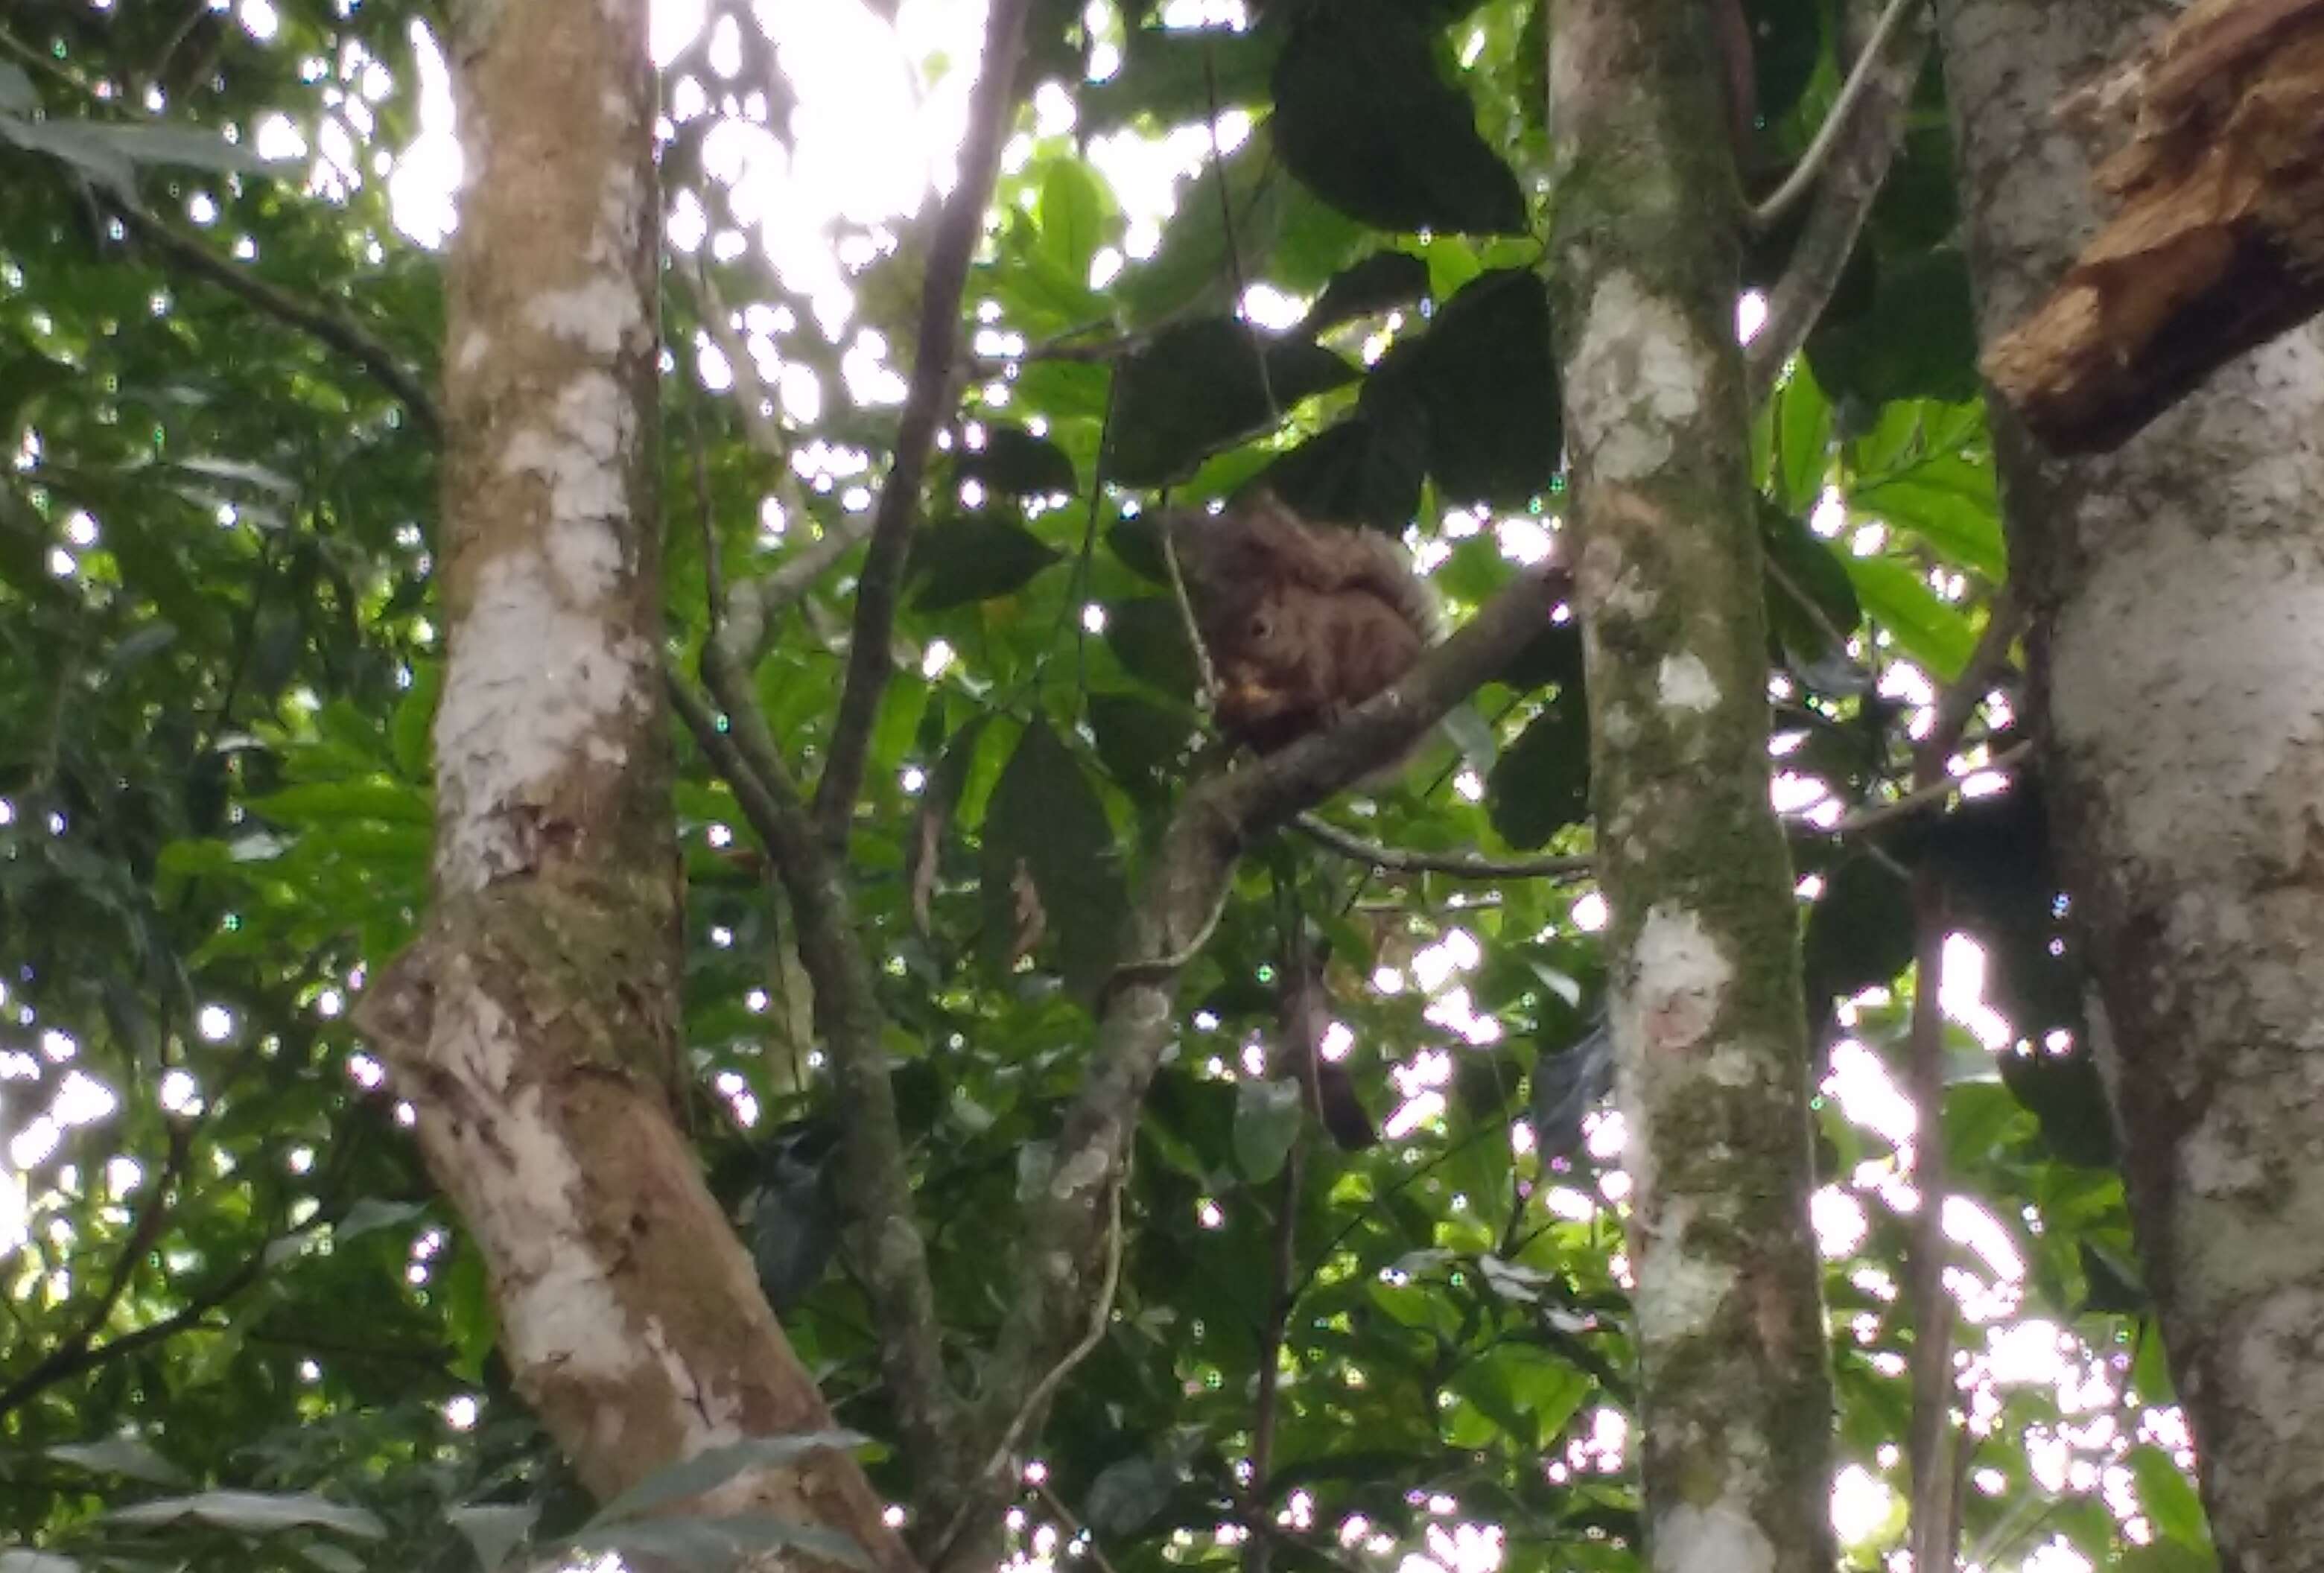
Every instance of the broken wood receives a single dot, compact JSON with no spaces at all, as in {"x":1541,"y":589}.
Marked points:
{"x":2219,"y":243}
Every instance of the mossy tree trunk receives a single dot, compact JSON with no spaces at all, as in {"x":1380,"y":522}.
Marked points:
{"x":2178,"y":671}
{"x":534,"y":1025}
{"x":1711,"y":1037}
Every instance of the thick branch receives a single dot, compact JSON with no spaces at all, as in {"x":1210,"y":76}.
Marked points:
{"x":870,"y":659}
{"x":886,"y":1242}
{"x":1859,"y":163}
{"x":2220,"y":242}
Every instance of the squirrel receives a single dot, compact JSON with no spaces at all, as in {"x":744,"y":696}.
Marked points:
{"x":1303,"y":621}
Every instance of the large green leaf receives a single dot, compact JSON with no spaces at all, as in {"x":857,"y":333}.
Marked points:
{"x":1363,"y":118}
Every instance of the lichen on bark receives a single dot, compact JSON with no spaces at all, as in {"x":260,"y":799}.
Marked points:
{"x":1709,"y":1033}
{"x":2177,"y":673}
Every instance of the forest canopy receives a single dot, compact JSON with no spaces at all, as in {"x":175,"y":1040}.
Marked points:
{"x":1303,"y":248}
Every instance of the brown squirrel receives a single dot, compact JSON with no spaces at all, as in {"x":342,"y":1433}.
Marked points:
{"x":1303,"y":621}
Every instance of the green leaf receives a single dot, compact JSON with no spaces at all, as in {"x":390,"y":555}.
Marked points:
{"x":254,"y":1512}
{"x":1365,"y":121}
{"x":1916,"y":337}
{"x":1934,"y":635}
{"x":714,"y":1466}
{"x":2168,"y":1497}
{"x":1149,"y":636}
{"x":1190,"y":269}
{"x":1140,"y":741}
{"x":1484,"y":379}
{"x":1366,"y":470}
{"x":725,"y":1542}
{"x":1803,"y":440}
{"x":1541,"y":784}
{"x":494,"y":1529}
{"x":1044,"y":816}
{"x":124,"y":1456}
{"x":1198,"y":387}
{"x":1127,"y":1494}
{"x":415,"y":717}
{"x":977,"y":557}
{"x":1015,"y":462}
{"x":335,"y":802}
{"x":1266,"y":1124}
{"x":1860,"y":932}
{"x":1072,"y":211}
{"x":1380,"y":282}
{"x":1177,"y":74}
{"x":1812,"y":605}
{"x":1952,"y":504}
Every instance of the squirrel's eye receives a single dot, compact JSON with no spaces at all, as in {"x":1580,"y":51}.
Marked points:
{"x":1261,"y":625}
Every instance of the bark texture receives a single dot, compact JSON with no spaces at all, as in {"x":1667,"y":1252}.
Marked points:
{"x":1710,"y":1038}
{"x":535,"y":1024}
{"x":2218,"y":245}
{"x":2178,"y":666}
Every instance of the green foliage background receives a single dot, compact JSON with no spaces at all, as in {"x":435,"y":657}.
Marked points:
{"x":242,"y":1332}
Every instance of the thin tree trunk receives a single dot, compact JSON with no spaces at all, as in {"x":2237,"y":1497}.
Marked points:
{"x":2178,"y":666}
{"x":1709,"y":1034}
{"x":535,"y":1025}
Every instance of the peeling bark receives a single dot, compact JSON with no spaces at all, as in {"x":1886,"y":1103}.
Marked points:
{"x":1710,"y":1031}
{"x":534,"y":1026}
{"x":2218,"y":245}
{"x":2177,"y":664}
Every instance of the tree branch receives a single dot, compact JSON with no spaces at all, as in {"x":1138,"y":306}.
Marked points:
{"x":1860,"y":161}
{"x":1183,"y":888}
{"x":318,"y":322}
{"x":1828,"y":137}
{"x":1929,"y":1435}
{"x":61,"y":1361}
{"x":1921,"y":798}
{"x":887,"y":1244}
{"x":1459,"y":865}
{"x":870,"y":659}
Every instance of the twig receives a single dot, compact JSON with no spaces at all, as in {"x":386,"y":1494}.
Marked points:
{"x":1459,"y":865}
{"x":1282,"y":1264}
{"x":1959,"y":702}
{"x":1013,"y":1434}
{"x":1074,"y":1526}
{"x":327,"y":326}
{"x":1858,"y":166}
{"x":64,"y":1359}
{"x":1205,"y":675}
{"x":1932,"y":1363}
{"x":1922,"y":798}
{"x":1929,"y":1435}
{"x":754,"y":605}
{"x":1919,"y":799}
{"x":713,"y":588}
{"x":1828,"y":136}
{"x":892,"y":1252}
{"x":870,"y":657}
{"x":1184,"y":884}
{"x":1227,"y":232}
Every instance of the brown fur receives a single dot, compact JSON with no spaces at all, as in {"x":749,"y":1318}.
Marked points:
{"x":1303,"y":621}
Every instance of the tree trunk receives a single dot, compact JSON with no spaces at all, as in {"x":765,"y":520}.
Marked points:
{"x":1709,"y":1035}
{"x":535,"y":1025}
{"x":2178,"y":668}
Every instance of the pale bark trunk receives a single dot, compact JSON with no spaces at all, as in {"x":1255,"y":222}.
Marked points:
{"x":2177,"y":663}
{"x":534,"y":1026}
{"x":1735,"y":1400}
